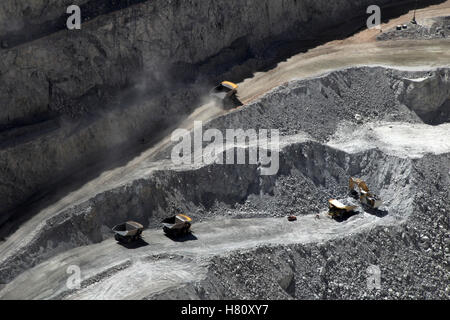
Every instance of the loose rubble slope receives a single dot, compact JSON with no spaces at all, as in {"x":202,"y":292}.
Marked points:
{"x":262,"y":255}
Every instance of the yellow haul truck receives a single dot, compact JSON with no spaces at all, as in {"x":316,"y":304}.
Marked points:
{"x":337,"y":209}
{"x":224,"y":93}
{"x":179,"y":225}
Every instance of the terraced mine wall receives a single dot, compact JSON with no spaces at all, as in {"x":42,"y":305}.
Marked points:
{"x":304,"y":185}
{"x":76,"y":99}
{"x":413,"y":257}
{"x":311,"y":172}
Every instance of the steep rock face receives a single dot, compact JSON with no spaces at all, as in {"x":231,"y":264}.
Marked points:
{"x":15,"y":16}
{"x":155,"y":37}
{"x":310,"y":173}
{"x":303,"y":185}
{"x":70,"y":96}
{"x":413,"y":257}
{"x":428,"y":96}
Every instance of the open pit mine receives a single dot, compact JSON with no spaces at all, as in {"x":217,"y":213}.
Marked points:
{"x":226,"y":149}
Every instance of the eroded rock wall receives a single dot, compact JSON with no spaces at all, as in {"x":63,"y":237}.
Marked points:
{"x":71,"y":99}
{"x":428,"y":96}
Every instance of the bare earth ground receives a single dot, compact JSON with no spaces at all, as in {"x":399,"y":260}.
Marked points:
{"x":360,"y":49}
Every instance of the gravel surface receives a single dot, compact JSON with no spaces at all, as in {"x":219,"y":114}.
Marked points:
{"x":431,"y":28}
{"x":243,"y":246}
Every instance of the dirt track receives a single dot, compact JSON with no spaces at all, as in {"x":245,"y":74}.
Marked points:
{"x":335,"y":55}
{"x":164,"y":264}
{"x":359,"y":49}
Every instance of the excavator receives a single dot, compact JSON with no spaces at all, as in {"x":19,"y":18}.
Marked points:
{"x":358,"y":188}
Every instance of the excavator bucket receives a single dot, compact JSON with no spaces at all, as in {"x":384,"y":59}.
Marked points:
{"x":365,"y":196}
{"x":353,"y":182}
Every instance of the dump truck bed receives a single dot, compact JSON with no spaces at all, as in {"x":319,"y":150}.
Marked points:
{"x":339,"y":205}
{"x":224,"y":90}
{"x":178,"y":221}
{"x":129,"y":228}
{"x":177,"y":225}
